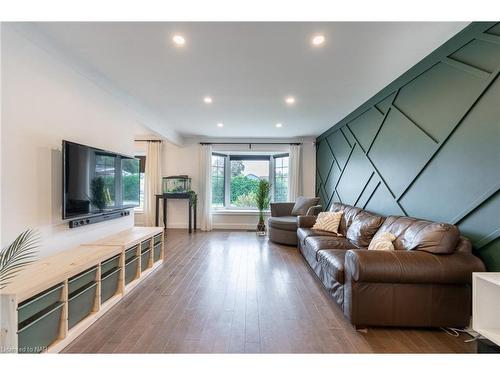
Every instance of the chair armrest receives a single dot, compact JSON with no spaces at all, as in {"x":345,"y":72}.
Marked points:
{"x":306,"y":221}
{"x":282,"y":209}
{"x":417,"y":267}
{"x":314,"y":210}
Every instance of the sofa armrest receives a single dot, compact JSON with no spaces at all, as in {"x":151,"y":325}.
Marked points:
{"x":411,"y":267}
{"x":304,"y":221}
{"x":281,"y":209}
{"x":314,"y":210}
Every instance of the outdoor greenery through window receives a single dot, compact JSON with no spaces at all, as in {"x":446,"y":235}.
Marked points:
{"x":235,"y":179}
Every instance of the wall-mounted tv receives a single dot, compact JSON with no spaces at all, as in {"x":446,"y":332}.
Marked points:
{"x":97,"y":182}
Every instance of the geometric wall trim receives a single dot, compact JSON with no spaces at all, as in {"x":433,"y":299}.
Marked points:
{"x":428,"y":144}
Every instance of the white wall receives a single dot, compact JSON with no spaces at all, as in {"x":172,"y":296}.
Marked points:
{"x":185,"y":160}
{"x":43,"y":102}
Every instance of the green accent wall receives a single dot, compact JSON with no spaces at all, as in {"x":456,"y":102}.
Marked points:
{"x":428,"y":144}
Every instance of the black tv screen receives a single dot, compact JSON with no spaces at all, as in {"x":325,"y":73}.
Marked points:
{"x":97,"y":182}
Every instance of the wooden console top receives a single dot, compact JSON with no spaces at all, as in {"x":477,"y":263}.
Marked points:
{"x":57,"y":268}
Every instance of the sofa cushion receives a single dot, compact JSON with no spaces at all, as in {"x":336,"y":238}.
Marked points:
{"x":333,"y":263}
{"x":363,"y":227}
{"x":318,"y":243}
{"x":423,"y":235}
{"x":350,"y":213}
{"x":302,"y":204}
{"x":283,"y":222}
{"x":303,"y":233}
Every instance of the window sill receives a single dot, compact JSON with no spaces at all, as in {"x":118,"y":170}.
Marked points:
{"x":238,"y":212}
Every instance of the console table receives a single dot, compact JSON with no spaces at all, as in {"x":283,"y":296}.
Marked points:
{"x":191,"y":208}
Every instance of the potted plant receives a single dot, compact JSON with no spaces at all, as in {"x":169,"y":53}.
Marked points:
{"x":17,"y":255}
{"x":262,"y":199}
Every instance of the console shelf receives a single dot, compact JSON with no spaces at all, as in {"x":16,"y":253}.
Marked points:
{"x":66,"y":287}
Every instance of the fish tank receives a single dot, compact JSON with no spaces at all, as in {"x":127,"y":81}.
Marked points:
{"x":176,"y":184}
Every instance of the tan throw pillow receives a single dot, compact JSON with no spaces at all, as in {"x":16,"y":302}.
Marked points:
{"x":382,"y":241}
{"x":328,"y":221}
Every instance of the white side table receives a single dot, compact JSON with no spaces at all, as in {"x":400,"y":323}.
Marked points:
{"x":486,"y":305}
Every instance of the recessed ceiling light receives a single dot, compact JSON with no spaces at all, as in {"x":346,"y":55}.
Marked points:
{"x":220,"y":125}
{"x":179,"y":40}
{"x":279,"y":125}
{"x":290,"y":100}
{"x":207,"y":99}
{"x":318,"y":40}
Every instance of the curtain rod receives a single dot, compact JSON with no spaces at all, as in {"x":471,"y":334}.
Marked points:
{"x":250,"y":143}
{"x":148,"y":140}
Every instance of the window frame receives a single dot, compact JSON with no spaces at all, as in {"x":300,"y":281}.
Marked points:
{"x":227,"y":176}
{"x":273,"y":174}
{"x":142,"y":170}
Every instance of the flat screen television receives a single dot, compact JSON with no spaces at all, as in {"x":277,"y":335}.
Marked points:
{"x":97,"y":182}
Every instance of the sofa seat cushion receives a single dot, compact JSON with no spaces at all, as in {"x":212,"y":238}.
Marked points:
{"x":303,"y":233}
{"x":318,"y":243}
{"x":332,"y":262}
{"x":283,"y":222}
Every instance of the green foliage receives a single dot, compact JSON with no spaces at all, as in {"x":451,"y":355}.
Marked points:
{"x":131,"y":188}
{"x":237,"y":168}
{"x":130,"y":166}
{"x":262,"y":198}
{"x":242,"y":185}
{"x":100,"y":193}
{"x":193,"y":196}
{"x":17,"y":255}
{"x":246,"y":200}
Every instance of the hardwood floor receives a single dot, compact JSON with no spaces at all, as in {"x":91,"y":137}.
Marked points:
{"x":232,"y":292}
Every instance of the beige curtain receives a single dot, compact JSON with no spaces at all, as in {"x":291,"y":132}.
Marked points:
{"x":206,"y":187}
{"x":294,"y":173}
{"x":152,"y":181}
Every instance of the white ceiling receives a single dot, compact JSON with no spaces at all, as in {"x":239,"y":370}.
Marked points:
{"x":248,"y":69}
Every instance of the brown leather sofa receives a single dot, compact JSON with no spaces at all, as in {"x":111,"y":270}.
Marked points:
{"x":425,"y":282}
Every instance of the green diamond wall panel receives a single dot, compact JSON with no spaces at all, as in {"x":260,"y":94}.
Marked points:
{"x":384,"y":105}
{"x":481,"y":225}
{"x":437,"y":99}
{"x":324,"y":153}
{"x":340,"y":148}
{"x":382,"y":202}
{"x":465,"y":168}
{"x":366,"y":126}
{"x":400,"y":151}
{"x":435,"y":143}
{"x":355,"y":177}
{"x":480,"y":54}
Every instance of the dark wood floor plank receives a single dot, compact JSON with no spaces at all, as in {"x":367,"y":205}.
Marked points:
{"x":234,"y":292}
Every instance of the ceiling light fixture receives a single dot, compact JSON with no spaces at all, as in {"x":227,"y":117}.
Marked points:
{"x":318,"y":40}
{"x":290,"y":100}
{"x":207,"y":99}
{"x":179,"y":40}
{"x":220,"y":125}
{"x":279,"y":125}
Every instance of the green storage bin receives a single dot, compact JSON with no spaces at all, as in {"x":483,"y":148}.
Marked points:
{"x":81,"y":303}
{"x":39,"y":302}
{"x":157,"y":252}
{"x":131,"y":270}
{"x":145,"y":256}
{"x":37,"y":333}
{"x":110,"y":264}
{"x":109,"y":284}
{"x":157,"y":239}
{"x":130,"y":253}
{"x":82,"y":280}
{"x":145,"y":245}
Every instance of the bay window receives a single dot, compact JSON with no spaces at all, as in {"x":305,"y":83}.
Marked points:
{"x":235,"y":179}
